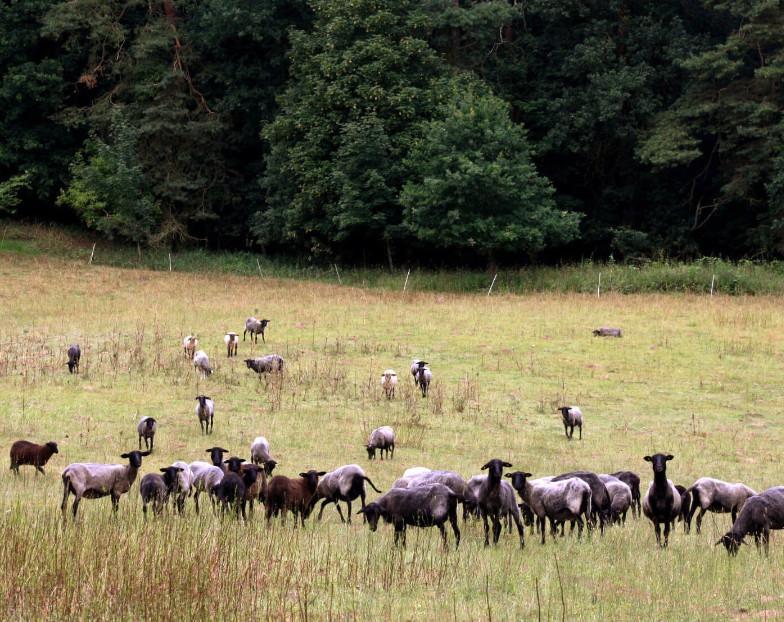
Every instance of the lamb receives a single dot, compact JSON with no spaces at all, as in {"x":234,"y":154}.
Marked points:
{"x":632,"y":480}
{"x":383,"y":439}
{"x":295,"y":495}
{"x":201,"y":363}
{"x":74,"y":356}
{"x":255,"y":328}
{"x":25,"y":452}
{"x":558,"y":501}
{"x":606,"y":331}
{"x":205,"y":477}
{"x":759,"y":515}
{"x":715,"y":495}
{"x":345,"y":483}
{"x":423,"y":377}
{"x":421,"y":506}
{"x":189,"y":345}
{"x":146,"y":429}
{"x":601,"y":505}
{"x":685,"y":506}
{"x":92,"y":481}
{"x":205,"y":411}
{"x":266,"y":364}
{"x":232,"y":341}
{"x":490,"y":497}
{"x":662,"y":502}
{"x":389,"y":382}
{"x":414,"y":471}
{"x":572,"y":416}
{"x":156,"y":489}
{"x":259,"y":454}
{"x":620,"y":497}
{"x":184,"y":484}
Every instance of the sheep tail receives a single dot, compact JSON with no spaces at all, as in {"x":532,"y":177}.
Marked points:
{"x":372,"y":485}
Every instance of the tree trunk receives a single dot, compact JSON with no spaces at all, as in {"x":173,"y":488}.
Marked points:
{"x":389,"y":256}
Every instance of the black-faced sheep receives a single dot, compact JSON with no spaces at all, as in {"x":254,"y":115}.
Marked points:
{"x":632,"y":480}
{"x":25,"y":452}
{"x":759,"y":515}
{"x":601,"y":506}
{"x":255,"y":328}
{"x":345,"y":483}
{"x":156,"y":489}
{"x":607,"y":331}
{"x":146,"y":430}
{"x":205,"y":412}
{"x":388,"y":383}
{"x":714,"y":495}
{"x":232,"y":341}
{"x":383,"y":439}
{"x":662,"y":502}
{"x":184,"y":487}
{"x":205,"y":478}
{"x":423,"y":377}
{"x":268,"y":364}
{"x":285,"y":494}
{"x":685,"y":507}
{"x":572,"y":417}
{"x":74,"y":356}
{"x":490,"y":497}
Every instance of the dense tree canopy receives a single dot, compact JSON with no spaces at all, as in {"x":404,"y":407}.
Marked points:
{"x":446,"y":131}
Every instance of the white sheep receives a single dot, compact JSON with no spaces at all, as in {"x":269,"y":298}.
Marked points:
{"x":189,"y":345}
{"x":232,"y":341}
{"x":620,"y":497}
{"x":184,"y":483}
{"x":572,"y":417}
{"x":389,"y":382}
{"x":414,"y":471}
{"x":260,"y":454}
{"x":206,"y":477}
{"x":201,"y":363}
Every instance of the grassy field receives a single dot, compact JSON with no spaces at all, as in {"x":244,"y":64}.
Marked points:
{"x":695,"y":376}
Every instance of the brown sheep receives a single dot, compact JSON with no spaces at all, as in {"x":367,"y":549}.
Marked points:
{"x":286,"y":494}
{"x":25,"y":452}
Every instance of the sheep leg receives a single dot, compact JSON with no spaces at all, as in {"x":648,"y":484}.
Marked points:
{"x":75,"y":505}
{"x":393,"y":450}
{"x":766,"y":539}
{"x":657,"y":529}
{"x":496,"y":528}
{"x":348,"y":503}
{"x":453,"y":522}
{"x":442,"y":529}
{"x":144,"y":509}
{"x":321,"y":510}
{"x":734,"y":513}
{"x":581,"y":432}
{"x":541,"y":525}
{"x":666,"y":533}
{"x":212,"y":423}
{"x":699,"y":520}
{"x":115,"y":502}
{"x":140,"y":442}
{"x":487,"y":528}
{"x":579,"y":522}
{"x":520,"y":530}
{"x":66,"y":491}
{"x":41,"y":471}
{"x":196,"y":501}
{"x":201,"y":425}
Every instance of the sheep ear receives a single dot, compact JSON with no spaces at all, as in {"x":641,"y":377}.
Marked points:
{"x":527,"y":474}
{"x":719,"y":541}
{"x":509,"y":475}
{"x":123,"y":455}
{"x":320,"y":473}
{"x":669,"y":457}
{"x":163,"y":470}
{"x":145,"y":453}
{"x":508,"y":465}
{"x":224,"y":450}
{"x":361,"y":511}
{"x":647,"y":459}
{"x":303,"y":474}
{"x":486,"y":466}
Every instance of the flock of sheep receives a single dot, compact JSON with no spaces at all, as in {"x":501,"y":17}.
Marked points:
{"x":421,"y":497}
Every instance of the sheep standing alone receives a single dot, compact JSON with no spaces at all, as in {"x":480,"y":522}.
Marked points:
{"x":74,"y":356}
{"x":715,"y":495}
{"x":232,"y":341}
{"x":491,"y":501}
{"x":345,"y":483}
{"x":662,"y":502}
{"x":266,"y":364}
{"x":146,"y":429}
{"x":285,"y":494}
{"x":205,"y":412}
{"x":255,"y":328}
{"x":607,"y":331}
{"x":201,"y":363}
{"x":389,"y":382}
{"x":260,"y":454}
{"x":759,"y":515}
{"x":423,"y":377}
{"x":92,"y":481}
{"x":383,"y":439}
{"x":572,"y":417}
{"x":632,"y":480}
{"x":25,"y":452}
{"x":189,"y":345}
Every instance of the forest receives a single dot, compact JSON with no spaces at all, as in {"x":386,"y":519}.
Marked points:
{"x":382,"y":132}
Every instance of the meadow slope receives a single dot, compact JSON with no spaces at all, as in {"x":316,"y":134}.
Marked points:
{"x":695,"y":376}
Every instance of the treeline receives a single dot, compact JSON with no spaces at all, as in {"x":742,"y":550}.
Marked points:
{"x":389,"y":131}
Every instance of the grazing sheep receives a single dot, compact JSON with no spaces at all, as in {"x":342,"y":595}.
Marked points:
{"x":232,"y":341}
{"x":189,"y":345}
{"x":423,"y":377}
{"x":295,"y":495}
{"x":25,"y":452}
{"x":383,"y":439}
{"x":184,"y":484}
{"x":620,"y":497}
{"x":558,"y":501}
{"x":74,"y":356}
{"x":601,"y":506}
{"x":572,"y":416}
{"x":491,"y":499}
{"x":389,"y":382}
{"x":266,"y":364}
{"x":201,"y":363}
{"x":156,"y":489}
{"x":414,"y":471}
{"x":205,"y":478}
{"x":92,"y":481}
{"x":662,"y":502}
{"x":259,"y":454}
{"x":685,"y":506}
{"x":345,"y":483}
{"x":759,"y":515}
{"x":421,"y":506}
{"x":255,"y":328}
{"x":450,"y":479}
{"x":205,"y":411}
{"x":606,"y":331}
{"x":715,"y":495}
{"x":146,"y":429}
{"x":632,"y":480}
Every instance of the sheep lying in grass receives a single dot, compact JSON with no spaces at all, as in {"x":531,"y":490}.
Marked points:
{"x":255,"y":328}
{"x":662,"y":502}
{"x":383,"y":439}
{"x":25,"y":452}
{"x":201,"y":363}
{"x":572,"y":417}
{"x":189,"y":345}
{"x":92,"y":481}
{"x":146,"y":429}
{"x":232,"y":341}
{"x":389,"y":382}
{"x":760,"y":514}
{"x":715,"y":495}
{"x":266,"y":364}
{"x":260,"y":454}
{"x":156,"y":489}
{"x":422,"y":506}
{"x":345,"y":483}
{"x":205,"y":412}
{"x":74,"y":356}
{"x":607,"y":331}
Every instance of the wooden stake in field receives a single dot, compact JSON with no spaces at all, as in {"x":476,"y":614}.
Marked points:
{"x":713,"y":280}
{"x":261,"y":274}
{"x":405,"y":283}
{"x":491,"y":284}
{"x":89,"y":263}
{"x":599,"y":286}
{"x":169,"y":262}
{"x":338,"y":273}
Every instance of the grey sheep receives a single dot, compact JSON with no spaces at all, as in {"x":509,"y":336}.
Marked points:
{"x":607,"y":331}
{"x":491,"y":501}
{"x":345,"y":483}
{"x":205,"y":477}
{"x":620,"y":497}
{"x":266,"y":364}
{"x":760,"y":514}
{"x":255,"y":328}
{"x":232,"y":341}
{"x":146,"y":429}
{"x":715,"y":495}
{"x":205,"y":412}
{"x":201,"y":363}
{"x":572,"y":418}
{"x":260,"y":454}
{"x":156,"y":489}
{"x":423,"y":377}
{"x":382,"y":439}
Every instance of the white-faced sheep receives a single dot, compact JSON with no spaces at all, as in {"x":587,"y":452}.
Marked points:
{"x":74,"y":356}
{"x":389,"y":382}
{"x":345,"y":483}
{"x":423,"y":377}
{"x":255,"y":328}
{"x":714,"y":495}
{"x":620,"y":497}
{"x":232,"y":341}
{"x":760,"y":514}
{"x":422,"y":506}
{"x":93,"y":481}
{"x":205,"y":412}
{"x":25,"y":452}
{"x":491,"y":501}
{"x":156,"y":489}
{"x":201,"y":363}
{"x":382,"y":439}
{"x":285,"y":494}
{"x":556,"y":501}
{"x":205,"y":478}
{"x":266,"y":364}
{"x":572,"y":418}
{"x":607,"y":331}
{"x":662,"y":502}
{"x":189,"y":345}
{"x":146,"y":430}
{"x":260,"y":454}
